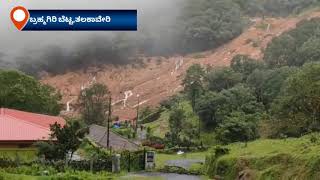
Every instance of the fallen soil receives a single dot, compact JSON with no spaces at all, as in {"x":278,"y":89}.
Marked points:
{"x":159,"y":77}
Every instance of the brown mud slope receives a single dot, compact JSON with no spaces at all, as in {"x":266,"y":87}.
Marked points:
{"x":161,"y":77}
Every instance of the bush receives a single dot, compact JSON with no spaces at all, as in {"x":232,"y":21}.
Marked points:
{"x":210,"y":163}
{"x":238,"y":128}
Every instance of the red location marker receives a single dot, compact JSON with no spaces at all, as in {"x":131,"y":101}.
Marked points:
{"x":19,"y":16}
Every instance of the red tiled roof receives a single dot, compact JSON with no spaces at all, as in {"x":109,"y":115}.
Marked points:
{"x":24,"y":126}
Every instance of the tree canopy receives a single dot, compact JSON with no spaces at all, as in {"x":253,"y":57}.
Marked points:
{"x":95,"y":104}
{"x":296,"y":47}
{"x":22,"y":92}
{"x":300,"y":98}
{"x":66,"y":139}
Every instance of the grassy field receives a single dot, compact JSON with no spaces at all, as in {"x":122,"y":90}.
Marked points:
{"x":292,"y":158}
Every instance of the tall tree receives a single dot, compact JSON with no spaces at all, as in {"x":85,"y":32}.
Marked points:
{"x":193,"y":83}
{"x":268,"y":83}
{"x":176,"y":121}
{"x":22,"y":92}
{"x":213,"y":108}
{"x":300,"y":98}
{"x":223,"y":78}
{"x":94,"y":104}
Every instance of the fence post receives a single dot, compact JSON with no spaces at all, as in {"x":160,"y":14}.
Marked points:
{"x":144,"y":158}
{"x":91,"y":164}
{"x":116,"y":163}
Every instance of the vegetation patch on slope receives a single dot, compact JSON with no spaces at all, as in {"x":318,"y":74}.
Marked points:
{"x":292,"y":158}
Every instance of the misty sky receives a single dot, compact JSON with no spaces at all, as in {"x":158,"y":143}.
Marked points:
{"x":13,"y":42}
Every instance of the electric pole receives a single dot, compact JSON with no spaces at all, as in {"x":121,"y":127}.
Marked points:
{"x":136,"y":128}
{"x":108,"y":124}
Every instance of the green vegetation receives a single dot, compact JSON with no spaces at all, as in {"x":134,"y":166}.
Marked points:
{"x":67,"y":139}
{"x":274,"y":98}
{"x":274,"y":7}
{"x":298,"y":104}
{"x":22,"y":92}
{"x":26,"y":173}
{"x":94,"y":103}
{"x":18,"y":154}
{"x":295,"y":47}
{"x":292,"y":158}
{"x":207,"y":24}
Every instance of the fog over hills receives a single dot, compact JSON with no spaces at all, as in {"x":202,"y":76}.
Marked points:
{"x":152,"y":14}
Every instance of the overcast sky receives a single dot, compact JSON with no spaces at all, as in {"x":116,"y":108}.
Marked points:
{"x":13,"y":42}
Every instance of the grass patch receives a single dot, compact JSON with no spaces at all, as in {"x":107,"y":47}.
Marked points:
{"x":61,"y":176}
{"x":292,"y":158}
{"x":24,"y":154}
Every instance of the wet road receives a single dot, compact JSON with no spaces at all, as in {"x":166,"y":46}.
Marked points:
{"x":167,"y":176}
{"x":183,"y":163}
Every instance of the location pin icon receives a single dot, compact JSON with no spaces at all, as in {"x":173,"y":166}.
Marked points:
{"x":19,"y":16}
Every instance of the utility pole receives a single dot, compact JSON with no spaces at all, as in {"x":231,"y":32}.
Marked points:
{"x":108,"y":125}
{"x":136,"y":128}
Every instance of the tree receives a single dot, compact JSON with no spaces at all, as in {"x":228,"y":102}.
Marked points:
{"x":64,"y":140}
{"x":213,"y":108}
{"x":238,"y":127}
{"x":94,"y":104}
{"x":177,"y":119}
{"x":222,"y":78}
{"x":310,"y":50}
{"x":296,"y":47}
{"x":207,"y":108}
{"x":268,"y":83}
{"x":241,"y":99}
{"x":279,"y":52}
{"x":300,"y":98}
{"x":245,"y":65}
{"x":22,"y":92}
{"x":207,"y":24}
{"x":193,"y":83}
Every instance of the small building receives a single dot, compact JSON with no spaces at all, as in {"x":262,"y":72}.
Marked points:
{"x":98,"y":134}
{"x":19,"y":129}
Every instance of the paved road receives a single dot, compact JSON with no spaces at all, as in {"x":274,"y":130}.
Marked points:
{"x":184,"y":163}
{"x":167,"y":176}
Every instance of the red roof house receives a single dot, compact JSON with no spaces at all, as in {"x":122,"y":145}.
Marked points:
{"x":22,"y":129}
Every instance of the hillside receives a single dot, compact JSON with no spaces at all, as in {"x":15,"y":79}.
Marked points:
{"x":161,"y":77}
{"x":292,"y":158}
